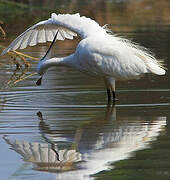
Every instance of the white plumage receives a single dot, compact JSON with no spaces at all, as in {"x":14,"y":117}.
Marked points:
{"x":98,"y":53}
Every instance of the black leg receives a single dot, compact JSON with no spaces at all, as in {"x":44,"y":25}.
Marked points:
{"x":114,"y":96}
{"x":108,"y":95}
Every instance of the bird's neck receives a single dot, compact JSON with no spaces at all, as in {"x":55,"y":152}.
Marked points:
{"x":47,"y":63}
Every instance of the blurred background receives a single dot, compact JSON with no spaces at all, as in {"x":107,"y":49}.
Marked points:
{"x":124,"y":15}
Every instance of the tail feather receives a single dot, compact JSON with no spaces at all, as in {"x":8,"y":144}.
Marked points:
{"x":156,"y":69}
{"x":153,"y":65}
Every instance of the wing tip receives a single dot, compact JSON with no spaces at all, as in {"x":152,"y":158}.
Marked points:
{"x":5,"y":51}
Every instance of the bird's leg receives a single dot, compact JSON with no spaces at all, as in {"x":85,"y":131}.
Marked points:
{"x":110,"y":84}
{"x":114,"y":97}
{"x":108,"y":95}
{"x":113,"y":91}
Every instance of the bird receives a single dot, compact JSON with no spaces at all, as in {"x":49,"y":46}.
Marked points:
{"x":100,"y":52}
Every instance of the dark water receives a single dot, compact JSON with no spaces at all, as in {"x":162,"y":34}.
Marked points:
{"x":64,"y":129}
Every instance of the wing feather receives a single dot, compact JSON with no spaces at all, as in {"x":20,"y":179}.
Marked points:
{"x":24,"y":41}
{"x":59,"y":36}
{"x":63,"y":34}
{"x":17,"y":44}
{"x":67,"y":25}
{"x":33,"y":38}
{"x":49,"y":35}
{"x":68,"y":34}
{"x":30,"y":37}
{"x":41,"y":36}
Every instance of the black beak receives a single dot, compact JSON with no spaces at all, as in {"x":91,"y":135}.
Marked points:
{"x":50,"y":46}
{"x":38,"y":83}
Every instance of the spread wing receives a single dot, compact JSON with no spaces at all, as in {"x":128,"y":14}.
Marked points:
{"x":67,"y":25}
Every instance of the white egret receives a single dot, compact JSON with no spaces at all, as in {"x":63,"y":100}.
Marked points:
{"x":99,"y":53}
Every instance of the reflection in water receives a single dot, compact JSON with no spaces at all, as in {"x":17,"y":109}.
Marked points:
{"x":45,"y":157}
{"x":87,"y":148}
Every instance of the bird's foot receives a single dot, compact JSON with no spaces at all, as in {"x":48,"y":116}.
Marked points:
{"x":112,"y":102}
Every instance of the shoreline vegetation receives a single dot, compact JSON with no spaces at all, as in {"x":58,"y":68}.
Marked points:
{"x":14,"y":3}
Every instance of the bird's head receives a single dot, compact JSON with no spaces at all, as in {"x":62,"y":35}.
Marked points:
{"x":41,"y":69}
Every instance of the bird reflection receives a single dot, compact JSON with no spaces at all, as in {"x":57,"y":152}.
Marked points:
{"x":88,"y":147}
{"x":43,"y":156}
